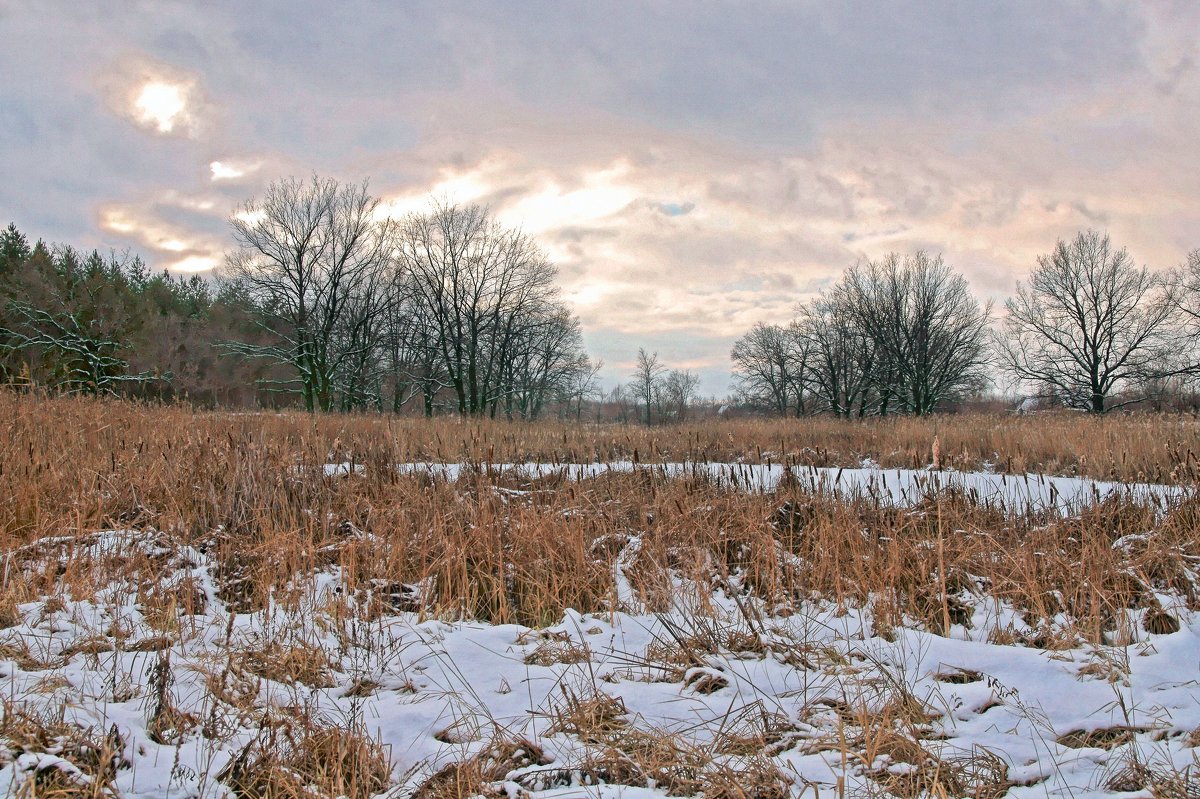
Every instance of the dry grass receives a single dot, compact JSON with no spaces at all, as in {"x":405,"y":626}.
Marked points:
{"x":884,"y":733}
{"x":293,"y":661}
{"x":549,"y":653}
{"x":132,"y":453}
{"x":249,"y":492}
{"x":479,"y":774}
{"x":592,"y":718}
{"x":309,"y":758}
{"x":75,"y":763}
{"x":619,"y":749}
{"x":1102,"y":738}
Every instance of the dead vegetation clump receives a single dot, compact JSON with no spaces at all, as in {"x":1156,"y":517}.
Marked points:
{"x":617,"y":750}
{"x":285,"y":661}
{"x":86,"y":645}
{"x":913,"y":772}
{"x":1130,"y":773}
{"x":22,"y":654}
{"x":53,"y":757}
{"x":594,"y":717}
{"x":309,"y":758}
{"x":10,"y":614}
{"x":167,"y":723}
{"x":756,"y":731}
{"x":1100,"y":738}
{"x":957,"y":676}
{"x":645,"y":757}
{"x":686,"y":660}
{"x":553,"y":652}
{"x":887,"y":735}
{"x":479,"y":774}
{"x":1159,"y":622}
{"x":752,"y":778}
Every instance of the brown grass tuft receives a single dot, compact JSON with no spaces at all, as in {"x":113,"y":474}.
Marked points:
{"x":309,"y":758}
{"x":1102,"y":738}
{"x":593,"y":718}
{"x":77,"y":762}
{"x":1158,"y":622}
{"x":550,"y":653}
{"x":478,"y":774}
{"x":287,"y":662}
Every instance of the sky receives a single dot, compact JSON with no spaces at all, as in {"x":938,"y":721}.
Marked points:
{"x":692,"y":168}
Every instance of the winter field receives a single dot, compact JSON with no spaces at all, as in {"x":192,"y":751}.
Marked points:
{"x":265,"y":605}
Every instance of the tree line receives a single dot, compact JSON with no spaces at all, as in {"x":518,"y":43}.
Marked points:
{"x":365,"y":311}
{"x":1089,"y":330}
{"x":324,"y":301}
{"x":654,"y":392}
{"x":94,"y":324}
{"x":328,"y":303}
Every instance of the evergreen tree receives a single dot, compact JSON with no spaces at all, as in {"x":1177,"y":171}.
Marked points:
{"x":14,"y":249}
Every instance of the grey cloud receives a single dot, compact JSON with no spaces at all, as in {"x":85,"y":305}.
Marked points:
{"x":764,"y":147}
{"x":578,"y":234}
{"x":767,"y":73}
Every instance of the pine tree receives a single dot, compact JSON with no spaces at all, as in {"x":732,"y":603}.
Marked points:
{"x":14,"y":249}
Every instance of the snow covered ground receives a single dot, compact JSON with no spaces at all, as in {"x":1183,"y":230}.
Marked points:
{"x":1015,"y":493}
{"x":819,"y":696}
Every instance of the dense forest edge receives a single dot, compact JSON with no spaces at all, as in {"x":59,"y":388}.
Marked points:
{"x":328,"y":304}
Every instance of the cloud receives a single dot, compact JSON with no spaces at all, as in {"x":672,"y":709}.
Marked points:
{"x":195,"y":263}
{"x":233,"y":170}
{"x":183,"y":246}
{"x":157,"y":97}
{"x":692,"y":169}
{"x":161,"y":105}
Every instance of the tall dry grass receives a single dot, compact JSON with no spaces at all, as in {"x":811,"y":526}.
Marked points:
{"x":250,"y":492}
{"x":250,"y":489}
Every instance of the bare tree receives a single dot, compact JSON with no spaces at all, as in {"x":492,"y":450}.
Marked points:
{"x":544,"y":363}
{"x":622,"y":403}
{"x":770,"y":367}
{"x":412,"y":356}
{"x":842,"y":357}
{"x":1183,"y":293}
{"x":1088,"y":323}
{"x":930,"y":334}
{"x":586,"y":386}
{"x":318,"y":265}
{"x":480,"y":286}
{"x":647,"y":381}
{"x":361,"y":369}
{"x":678,"y":391}
{"x":1185,"y":289}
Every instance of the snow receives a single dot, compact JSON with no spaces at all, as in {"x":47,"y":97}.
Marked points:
{"x":446,"y":686}
{"x":1014,"y":493}
{"x":474,"y":677}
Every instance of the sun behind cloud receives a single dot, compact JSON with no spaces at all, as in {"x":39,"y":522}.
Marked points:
{"x":161,"y":104}
{"x":157,"y":97}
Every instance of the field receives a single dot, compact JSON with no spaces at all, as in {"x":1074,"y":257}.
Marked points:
{"x":284,"y":605}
